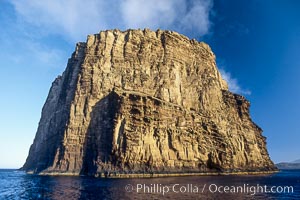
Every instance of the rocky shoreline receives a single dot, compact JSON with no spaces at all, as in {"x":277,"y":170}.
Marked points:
{"x":157,"y":175}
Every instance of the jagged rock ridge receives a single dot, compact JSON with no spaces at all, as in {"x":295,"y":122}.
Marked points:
{"x":141,"y":101}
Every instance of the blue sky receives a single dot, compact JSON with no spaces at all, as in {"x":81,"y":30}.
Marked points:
{"x":257,"y":44}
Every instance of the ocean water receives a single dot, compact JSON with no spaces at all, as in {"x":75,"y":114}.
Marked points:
{"x":19,"y":185}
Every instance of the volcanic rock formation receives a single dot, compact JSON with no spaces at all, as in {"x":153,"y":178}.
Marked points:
{"x":145,"y":102}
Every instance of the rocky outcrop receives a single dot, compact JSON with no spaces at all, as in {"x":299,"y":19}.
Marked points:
{"x":144,"y":102}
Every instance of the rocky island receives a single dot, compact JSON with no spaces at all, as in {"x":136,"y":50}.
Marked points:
{"x":289,"y":165}
{"x":145,"y":103}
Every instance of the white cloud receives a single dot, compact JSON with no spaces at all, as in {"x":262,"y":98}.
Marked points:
{"x":189,"y":17}
{"x":233,"y":84}
{"x":74,"y":19}
{"x":43,"y":54}
{"x":197,"y":18}
{"x":153,"y":14}
{"x":23,"y":49}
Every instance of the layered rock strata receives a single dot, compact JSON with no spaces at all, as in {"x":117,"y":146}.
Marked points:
{"x":145,"y":102}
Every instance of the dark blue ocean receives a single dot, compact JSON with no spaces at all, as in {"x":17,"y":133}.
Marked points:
{"x":19,"y":185}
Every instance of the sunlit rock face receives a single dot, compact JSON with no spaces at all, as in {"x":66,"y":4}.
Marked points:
{"x":138,"y":102}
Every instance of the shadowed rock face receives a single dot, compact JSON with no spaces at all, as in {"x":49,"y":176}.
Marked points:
{"x":145,"y":102}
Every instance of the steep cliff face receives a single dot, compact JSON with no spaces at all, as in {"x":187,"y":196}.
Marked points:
{"x":141,"y":101}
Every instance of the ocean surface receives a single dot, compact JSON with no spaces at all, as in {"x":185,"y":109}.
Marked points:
{"x":16,"y":184}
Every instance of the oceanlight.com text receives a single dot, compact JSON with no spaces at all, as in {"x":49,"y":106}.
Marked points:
{"x":211,"y":188}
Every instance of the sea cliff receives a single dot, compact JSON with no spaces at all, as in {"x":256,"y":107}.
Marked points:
{"x":145,"y":102}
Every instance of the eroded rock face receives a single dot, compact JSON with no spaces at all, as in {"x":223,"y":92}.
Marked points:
{"x":141,"y":101}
